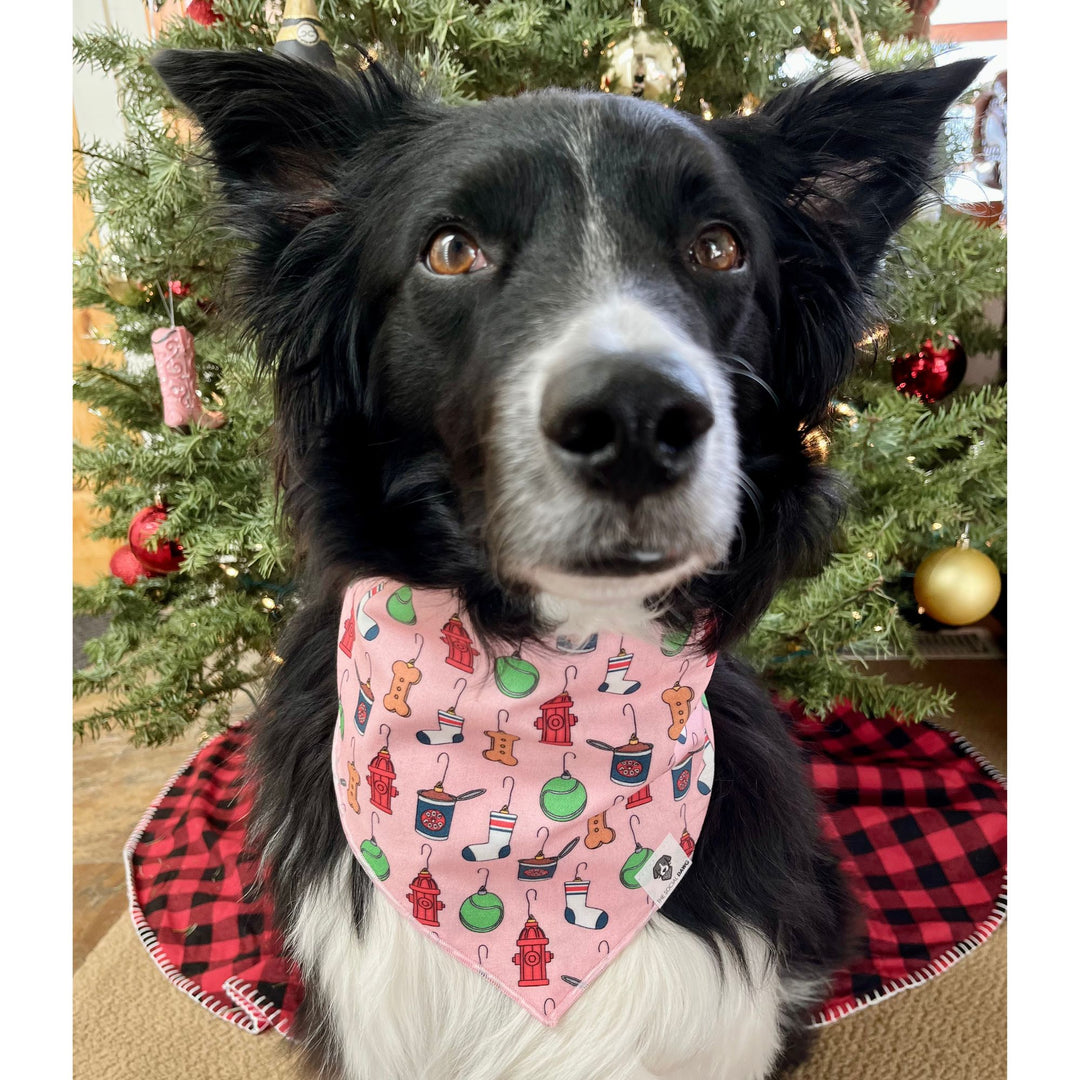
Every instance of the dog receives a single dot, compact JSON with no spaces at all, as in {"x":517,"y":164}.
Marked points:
{"x":557,"y":355}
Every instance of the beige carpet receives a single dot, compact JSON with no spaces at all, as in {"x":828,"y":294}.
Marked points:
{"x":132,"y":1024}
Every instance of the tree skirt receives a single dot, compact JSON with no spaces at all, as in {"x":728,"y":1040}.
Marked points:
{"x":916,"y":815}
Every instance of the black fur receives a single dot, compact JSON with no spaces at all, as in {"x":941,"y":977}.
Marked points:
{"x":383,"y":380}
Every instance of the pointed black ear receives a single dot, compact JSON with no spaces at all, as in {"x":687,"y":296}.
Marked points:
{"x":837,"y":165}
{"x":860,"y":151}
{"x":276,"y":126}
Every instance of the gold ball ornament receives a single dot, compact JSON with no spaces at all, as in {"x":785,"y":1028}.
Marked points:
{"x":123,"y":290}
{"x":644,"y":64}
{"x":957,"y":585}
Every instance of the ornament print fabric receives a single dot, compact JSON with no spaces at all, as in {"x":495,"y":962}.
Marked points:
{"x":529,"y":814}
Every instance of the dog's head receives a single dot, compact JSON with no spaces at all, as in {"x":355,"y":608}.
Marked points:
{"x":562,"y":346}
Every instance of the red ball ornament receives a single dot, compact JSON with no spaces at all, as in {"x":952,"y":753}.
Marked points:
{"x":202,"y":11}
{"x":125,"y":566}
{"x":933,"y":372}
{"x":167,"y":556}
{"x":178,"y":288}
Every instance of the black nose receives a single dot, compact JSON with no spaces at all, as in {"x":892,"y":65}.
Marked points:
{"x":627,"y":424}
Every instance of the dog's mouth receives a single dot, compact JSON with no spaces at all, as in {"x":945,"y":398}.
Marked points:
{"x":627,"y":563}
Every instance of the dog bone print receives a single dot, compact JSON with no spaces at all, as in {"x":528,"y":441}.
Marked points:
{"x":354,"y":780}
{"x":678,"y":698}
{"x":406,"y":674}
{"x":599,"y":833}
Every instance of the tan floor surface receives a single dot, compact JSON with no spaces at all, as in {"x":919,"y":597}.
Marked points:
{"x":132,"y":1024}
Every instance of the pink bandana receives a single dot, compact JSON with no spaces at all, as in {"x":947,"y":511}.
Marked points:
{"x":529,"y":815}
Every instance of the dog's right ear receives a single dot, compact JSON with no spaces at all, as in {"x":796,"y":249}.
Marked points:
{"x":279,"y":129}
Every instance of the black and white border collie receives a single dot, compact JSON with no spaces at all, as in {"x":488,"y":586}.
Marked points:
{"x":557,"y":354}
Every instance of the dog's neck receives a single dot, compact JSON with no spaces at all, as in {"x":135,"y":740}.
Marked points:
{"x":577,"y":618}
{"x":578,"y":606}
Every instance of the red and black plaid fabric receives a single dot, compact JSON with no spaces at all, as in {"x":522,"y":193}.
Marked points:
{"x":193,"y":897}
{"x":918,"y":820}
{"x":915,"y":814}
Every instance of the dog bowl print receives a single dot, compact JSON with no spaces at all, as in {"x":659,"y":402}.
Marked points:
{"x":435,"y":807}
{"x":680,"y":774}
{"x":365,"y":700}
{"x":541,"y":867}
{"x":629,"y":763}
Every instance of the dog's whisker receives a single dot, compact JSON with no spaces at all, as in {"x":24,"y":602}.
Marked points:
{"x":746,"y":370}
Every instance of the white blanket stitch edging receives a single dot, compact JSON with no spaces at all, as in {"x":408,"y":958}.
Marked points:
{"x":249,"y":1012}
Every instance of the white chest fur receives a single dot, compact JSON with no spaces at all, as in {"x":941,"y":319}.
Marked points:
{"x":403,"y":1009}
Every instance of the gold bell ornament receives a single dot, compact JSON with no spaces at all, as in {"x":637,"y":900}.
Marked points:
{"x":958,"y":585}
{"x":644,"y":64}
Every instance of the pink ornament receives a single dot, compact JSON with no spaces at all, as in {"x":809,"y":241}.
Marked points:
{"x":174,"y":355}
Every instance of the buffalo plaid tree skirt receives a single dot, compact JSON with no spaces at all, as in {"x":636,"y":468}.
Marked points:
{"x":916,"y":815}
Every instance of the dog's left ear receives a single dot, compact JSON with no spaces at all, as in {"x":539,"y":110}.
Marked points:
{"x":837,"y":165}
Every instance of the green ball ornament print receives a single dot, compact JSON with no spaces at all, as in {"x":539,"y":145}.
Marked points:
{"x":563,"y":797}
{"x":674,"y":641}
{"x":636,"y":860}
{"x":628,"y":873}
{"x":515,"y":677}
{"x":482,"y":911}
{"x":400,"y":606}
{"x":376,"y":859}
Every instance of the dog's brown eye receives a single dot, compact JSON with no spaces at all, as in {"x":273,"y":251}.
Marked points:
{"x":716,"y":249}
{"x":454,"y":253}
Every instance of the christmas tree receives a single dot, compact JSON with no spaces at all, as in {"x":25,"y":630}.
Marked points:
{"x":185,"y":639}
